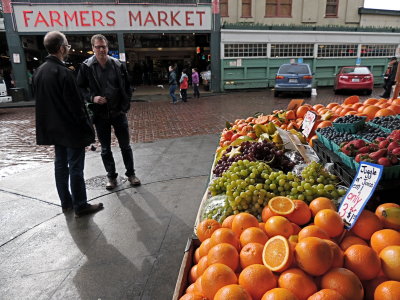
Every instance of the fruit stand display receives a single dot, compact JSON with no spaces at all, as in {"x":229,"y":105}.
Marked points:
{"x":268,"y":226}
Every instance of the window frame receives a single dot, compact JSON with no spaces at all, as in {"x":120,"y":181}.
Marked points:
{"x":278,"y":10}
{"x":335,"y":15}
{"x":250,"y":4}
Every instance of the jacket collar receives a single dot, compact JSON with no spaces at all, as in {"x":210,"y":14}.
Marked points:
{"x":54,"y":59}
{"x":92,"y":60}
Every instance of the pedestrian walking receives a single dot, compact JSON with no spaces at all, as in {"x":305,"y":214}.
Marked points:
{"x":62,"y":121}
{"x":390,"y":77}
{"x":195,"y":83}
{"x":105,"y":85}
{"x":172,"y":83}
{"x":184,"y":84}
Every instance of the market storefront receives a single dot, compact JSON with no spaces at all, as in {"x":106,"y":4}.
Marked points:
{"x":148,"y":38}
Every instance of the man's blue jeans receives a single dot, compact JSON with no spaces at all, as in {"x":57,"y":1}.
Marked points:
{"x":68,"y":168}
{"x":121,"y":130}
{"x":172,"y":89}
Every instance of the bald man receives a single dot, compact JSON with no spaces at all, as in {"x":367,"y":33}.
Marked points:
{"x":62,"y":121}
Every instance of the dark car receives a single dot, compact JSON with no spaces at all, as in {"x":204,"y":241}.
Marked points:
{"x":293,"y":78}
{"x":356,"y":78}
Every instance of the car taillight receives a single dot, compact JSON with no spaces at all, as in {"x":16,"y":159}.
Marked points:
{"x":279,"y":77}
{"x":367,"y":77}
{"x":307,"y":77}
{"x":344,"y":77}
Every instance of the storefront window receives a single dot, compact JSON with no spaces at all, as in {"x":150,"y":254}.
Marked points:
{"x":278,"y":8}
{"x":292,"y":50}
{"x":245,"y":50}
{"x":378,"y":50}
{"x":336,"y":50}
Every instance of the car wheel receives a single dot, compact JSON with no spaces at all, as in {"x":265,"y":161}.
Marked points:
{"x":276,"y":94}
{"x":368,"y":92}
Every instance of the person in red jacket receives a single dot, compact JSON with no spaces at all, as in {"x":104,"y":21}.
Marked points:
{"x":184,"y":84}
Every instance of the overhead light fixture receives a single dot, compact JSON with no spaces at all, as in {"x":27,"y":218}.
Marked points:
{"x":81,"y":51}
{"x":35,"y":58}
{"x":89,"y":52}
{"x":73,"y":50}
{"x":159,"y":49}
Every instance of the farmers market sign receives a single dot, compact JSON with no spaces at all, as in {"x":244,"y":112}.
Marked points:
{"x":361,"y":189}
{"x":111,"y":18}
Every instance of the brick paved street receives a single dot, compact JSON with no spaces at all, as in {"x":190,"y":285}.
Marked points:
{"x":151,"y":118}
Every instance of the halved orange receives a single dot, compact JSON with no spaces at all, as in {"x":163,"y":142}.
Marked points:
{"x":277,"y":254}
{"x":281,"y":205}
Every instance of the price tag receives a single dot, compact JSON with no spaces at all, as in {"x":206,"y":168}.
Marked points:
{"x":308,"y":123}
{"x":361,"y":189}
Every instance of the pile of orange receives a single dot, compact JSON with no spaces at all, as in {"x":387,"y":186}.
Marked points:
{"x":298,"y":252}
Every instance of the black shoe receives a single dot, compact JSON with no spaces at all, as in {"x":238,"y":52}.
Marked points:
{"x":134,"y":181}
{"x":111,"y":184}
{"x":89,"y":209}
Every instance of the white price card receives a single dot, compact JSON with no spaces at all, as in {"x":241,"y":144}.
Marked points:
{"x":361,"y":189}
{"x":308,"y":123}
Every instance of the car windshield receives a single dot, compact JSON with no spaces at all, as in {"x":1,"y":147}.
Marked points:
{"x":356,"y":70}
{"x":293,"y":69}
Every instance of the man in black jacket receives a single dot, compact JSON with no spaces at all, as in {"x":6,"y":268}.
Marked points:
{"x":105,"y":86}
{"x":62,"y":120}
{"x":390,"y":77}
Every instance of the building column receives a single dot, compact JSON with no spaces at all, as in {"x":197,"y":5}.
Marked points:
{"x":121,"y":46}
{"x":16,"y":51}
{"x":215,"y":44}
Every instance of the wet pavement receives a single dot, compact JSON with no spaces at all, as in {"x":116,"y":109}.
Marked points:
{"x":134,"y":247}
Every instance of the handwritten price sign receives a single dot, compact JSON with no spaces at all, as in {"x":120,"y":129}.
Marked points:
{"x":361,"y":189}
{"x":308,"y":123}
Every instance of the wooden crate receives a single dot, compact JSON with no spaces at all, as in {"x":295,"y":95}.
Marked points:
{"x":187,"y":262}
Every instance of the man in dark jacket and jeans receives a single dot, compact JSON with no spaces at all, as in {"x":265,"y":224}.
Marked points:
{"x":105,"y":86}
{"x":62,"y":120}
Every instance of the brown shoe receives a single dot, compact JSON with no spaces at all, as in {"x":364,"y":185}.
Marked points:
{"x":111,"y":184}
{"x":134,"y":181}
{"x":89,"y":209}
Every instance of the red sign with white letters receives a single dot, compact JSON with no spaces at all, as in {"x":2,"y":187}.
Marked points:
{"x":111,"y":18}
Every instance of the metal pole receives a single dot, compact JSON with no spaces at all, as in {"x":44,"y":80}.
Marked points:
{"x":216,"y":48}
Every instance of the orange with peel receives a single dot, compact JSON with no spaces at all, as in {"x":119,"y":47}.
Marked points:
{"x":279,"y":294}
{"x":232,"y":292}
{"x":243,"y":221}
{"x":278,"y":225}
{"x":206,"y":228}
{"x":251,"y":254}
{"x":344,"y":282}
{"x":314,"y":256}
{"x":257,"y":280}
{"x":299,"y":283}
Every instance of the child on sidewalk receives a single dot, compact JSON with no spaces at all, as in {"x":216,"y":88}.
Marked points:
{"x":184,"y":83}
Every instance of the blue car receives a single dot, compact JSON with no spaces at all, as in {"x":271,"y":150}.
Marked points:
{"x":293,"y":78}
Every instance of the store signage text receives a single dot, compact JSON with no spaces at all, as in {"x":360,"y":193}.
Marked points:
{"x":84,"y":17}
